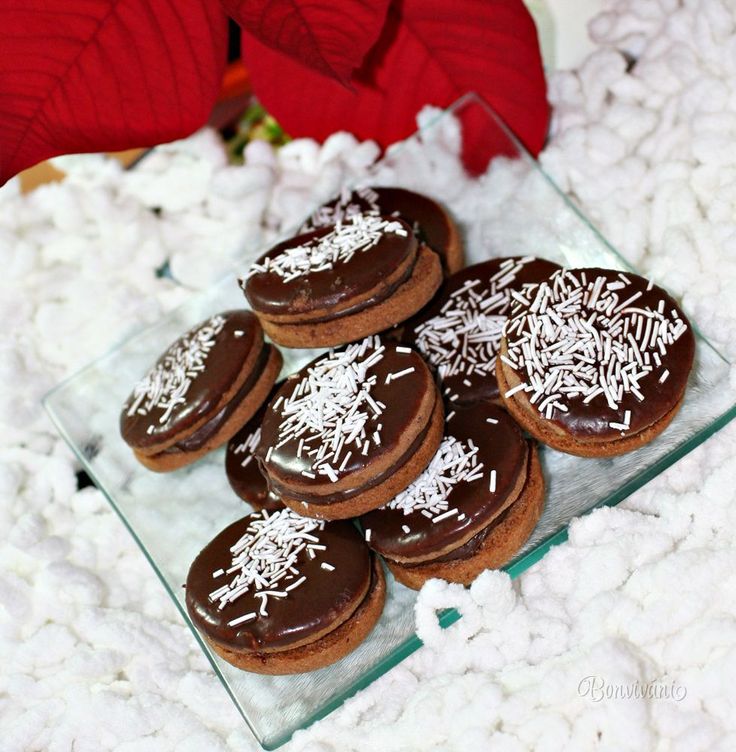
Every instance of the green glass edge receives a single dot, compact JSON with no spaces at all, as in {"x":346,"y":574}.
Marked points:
{"x":447,"y":617}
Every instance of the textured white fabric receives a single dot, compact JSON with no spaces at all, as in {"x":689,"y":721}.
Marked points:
{"x":92,"y":654}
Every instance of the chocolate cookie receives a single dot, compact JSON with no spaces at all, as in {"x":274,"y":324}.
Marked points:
{"x":200,"y":391}
{"x":243,"y":471}
{"x":432,"y":223}
{"x":471,"y":509}
{"x":595,"y":362}
{"x":341,"y":283}
{"x":460,"y":331}
{"x":276,"y":593}
{"x":351,"y":429}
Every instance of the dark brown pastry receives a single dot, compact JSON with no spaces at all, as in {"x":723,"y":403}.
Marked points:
{"x":243,"y":470}
{"x":342,"y":283}
{"x":200,"y":391}
{"x":470,"y":510}
{"x":351,"y":429}
{"x":595,"y":362}
{"x":431,"y":222}
{"x":276,"y":593}
{"x":459,"y":333}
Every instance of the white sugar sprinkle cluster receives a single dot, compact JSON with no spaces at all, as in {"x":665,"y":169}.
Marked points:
{"x":454,"y":462}
{"x":465,"y":336}
{"x":166,"y":385}
{"x":248,"y":447}
{"x":360,"y":234}
{"x":574,"y":337}
{"x":344,"y":209}
{"x":331,"y":412}
{"x":265,"y":560}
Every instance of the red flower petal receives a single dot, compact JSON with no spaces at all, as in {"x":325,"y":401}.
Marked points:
{"x":78,"y":75}
{"x":330,"y":37}
{"x":430,"y":52}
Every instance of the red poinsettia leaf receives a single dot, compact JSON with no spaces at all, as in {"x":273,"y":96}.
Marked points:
{"x":430,"y":52}
{"x":330,"y":37}
{"x":103,"y":75}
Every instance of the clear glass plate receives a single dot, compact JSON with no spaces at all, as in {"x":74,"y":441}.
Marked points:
{"x":513,"y":208}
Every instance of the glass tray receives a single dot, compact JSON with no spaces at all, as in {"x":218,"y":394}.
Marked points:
{"x":173,"y":516}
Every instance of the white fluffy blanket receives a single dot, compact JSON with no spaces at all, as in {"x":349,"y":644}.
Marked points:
{"x":94,"y":657}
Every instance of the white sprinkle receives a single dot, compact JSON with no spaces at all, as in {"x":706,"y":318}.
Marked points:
{"x":492,"y":421}
{"x":245,"y":617}
{"x":404,"y":350}
{"x":368,"y":535}
{"x":238,"y":333}
{"x":450,"y":416}
{"x":492,"y":484}
{"x":327,"y":566}
{"x":218,"y":572}
{"x":444,"y":515}
{"x":295,"y":584}
{"x":406,"y":529}
{"x":664,"y":376}
{"x":512,"y":392}
{"x":269,"y":453}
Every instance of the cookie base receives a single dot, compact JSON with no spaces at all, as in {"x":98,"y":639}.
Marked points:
{"x":404,"y":302}
{"x":500,"y":545}
{"x":322,"y":652}
{"x":380,"y":494}
{"x":167,"y":461}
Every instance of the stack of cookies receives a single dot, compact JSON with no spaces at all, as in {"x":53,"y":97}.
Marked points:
{"x":414,"y":438}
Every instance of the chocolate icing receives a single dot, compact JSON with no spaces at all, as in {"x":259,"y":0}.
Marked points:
{"x":593,"y":419}
{"x":403,"y":398}
{"x":501,"y":447}
{"x":269,"y":293}
{"x":202,"y":435}
{"x":483,"y":386}
{"x":427,"y":217}
{"x":322,"y":600}
{"x":248,"y":482}
{"x":223,"y":366}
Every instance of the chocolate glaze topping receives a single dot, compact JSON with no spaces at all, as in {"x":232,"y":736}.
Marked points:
{"x":242,"y":468}
{"x":323,"y":599}
{"x":459,"y":333}
{"x":500,"y":447}
{"x":622,"y":317}
{"x":365,"y":413}
{"x":427,"y":217}
{"x":335,"y":282}
{"x":189,"y":380}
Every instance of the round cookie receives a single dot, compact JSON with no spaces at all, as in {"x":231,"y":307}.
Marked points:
{"x":339,"y":284}
{"x":276,"y":593}
{"x":241,"y":467}
{"x":595,"y":362}
{"x":432,"y":223}
{"x":351,"y":429}
{"x":459,"y":333}
{"x":200,"y":391}
{"x":472,"y":508}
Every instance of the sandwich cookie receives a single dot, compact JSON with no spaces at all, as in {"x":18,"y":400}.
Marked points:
{"x":276,"y":593}
{"x":595,"y":362}
{"x":351,"y":430}
{"x":200,"y":391}
{"x":338,"y":284}
{"x":431,"y":223}
{"x":460,"y":332}
{"x":241,"y":467}
{"x":472,"y":508}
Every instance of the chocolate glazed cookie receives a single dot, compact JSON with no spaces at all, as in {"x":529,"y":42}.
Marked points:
{"x":276,"y":593}
{"x":200,"y":391}
{"x":338,"y":284}
{"x":432,"y":223}
{"x":471,"y":509}
{"x":595,"y":362}
{"x":459,"y":333}
{"x":243,"y":471}
{"x":351,"y":430}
